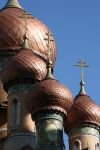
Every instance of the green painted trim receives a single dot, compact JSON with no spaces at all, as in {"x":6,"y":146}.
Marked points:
{"x":21,"y":87}
{"x":49,"y":115}
{"x":84,"y":130}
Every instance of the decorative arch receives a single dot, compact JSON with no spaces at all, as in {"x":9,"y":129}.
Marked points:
{"x":77,"y":145}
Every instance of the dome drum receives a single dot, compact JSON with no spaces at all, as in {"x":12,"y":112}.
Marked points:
{"x":47,"y":112}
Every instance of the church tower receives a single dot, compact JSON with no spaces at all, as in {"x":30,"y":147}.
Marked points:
{"x":83,"y":120}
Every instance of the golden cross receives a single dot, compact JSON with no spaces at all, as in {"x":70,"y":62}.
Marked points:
{"x":26,"y":16}
{"x":81,"y":64}
{"x":48,"y":39}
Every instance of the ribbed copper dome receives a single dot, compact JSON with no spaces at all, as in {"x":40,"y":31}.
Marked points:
{"x":12,"y":30}
{"x":83,"y":110}
{"x":23,"y":64}
{"x":49,"y":94}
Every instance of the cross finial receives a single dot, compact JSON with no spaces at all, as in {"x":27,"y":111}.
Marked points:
{"x":49,"y":39}
{"x":49,"y":64}
{"x":81,"y":64}
{"x":26,"y":16}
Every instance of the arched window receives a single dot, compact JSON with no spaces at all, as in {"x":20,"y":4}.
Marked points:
{"x":77,"y":145}
{"x":15,"y":114}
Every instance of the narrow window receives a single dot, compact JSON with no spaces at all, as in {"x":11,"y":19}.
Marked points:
{"x":15,"y":114}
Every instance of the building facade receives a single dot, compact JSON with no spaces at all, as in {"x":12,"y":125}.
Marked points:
{"x":35,"y":108}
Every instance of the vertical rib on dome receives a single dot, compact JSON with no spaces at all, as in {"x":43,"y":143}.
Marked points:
{"x":13,"y":3}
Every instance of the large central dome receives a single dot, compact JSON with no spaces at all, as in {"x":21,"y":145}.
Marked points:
{"x":12,"y":30}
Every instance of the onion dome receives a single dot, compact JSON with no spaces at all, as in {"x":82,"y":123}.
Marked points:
{"x":12,"y":30}
{"x":23,"y":65}
{"x":49,"y":94}
{"x":83,"y":111}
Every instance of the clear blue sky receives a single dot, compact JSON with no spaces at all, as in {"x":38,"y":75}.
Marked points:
{"x":76,"y":28}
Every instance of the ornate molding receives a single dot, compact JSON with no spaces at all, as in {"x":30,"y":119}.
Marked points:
{"x":82,"y":130}
{"x":53,"y":114}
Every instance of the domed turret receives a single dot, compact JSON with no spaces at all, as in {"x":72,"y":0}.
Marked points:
{"x":83,"y":110}
{"x":83,"y":119}
{"x":83,"y":122}
{"x":48,"y":103}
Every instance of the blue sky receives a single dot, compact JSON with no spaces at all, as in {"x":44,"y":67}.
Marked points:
{"x":76,"y":28}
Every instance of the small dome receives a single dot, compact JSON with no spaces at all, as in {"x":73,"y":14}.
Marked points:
{"x":23,"y":65}
{"x":12,"y":30}
{"x":49,"y":94}
{"x":83,"y":110}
